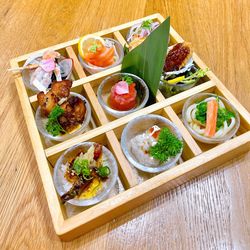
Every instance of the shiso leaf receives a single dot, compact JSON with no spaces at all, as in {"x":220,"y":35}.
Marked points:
{"x":147,"y":59}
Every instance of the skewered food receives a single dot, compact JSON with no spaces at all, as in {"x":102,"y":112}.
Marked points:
{"x":40,"y":70}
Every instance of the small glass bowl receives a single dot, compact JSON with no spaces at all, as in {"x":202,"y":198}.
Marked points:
{"x":41,"y":122}
{"x":62,"y":185}
{"x":138,"y":126}
{"x":198,"y":98}
{"x":26,"y":73}
{"x":92,"y":69}
{"x":104,"y":89}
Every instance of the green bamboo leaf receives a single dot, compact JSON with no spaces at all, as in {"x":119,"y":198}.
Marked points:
{"x":147,"y":59}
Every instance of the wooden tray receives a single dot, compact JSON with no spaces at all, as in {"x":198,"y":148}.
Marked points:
{"x":137,"y":188}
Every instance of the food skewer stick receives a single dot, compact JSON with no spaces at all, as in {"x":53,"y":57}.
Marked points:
{"x":30,"y":66}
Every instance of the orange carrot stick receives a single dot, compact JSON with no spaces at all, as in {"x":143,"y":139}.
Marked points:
{"x":212,"y":110}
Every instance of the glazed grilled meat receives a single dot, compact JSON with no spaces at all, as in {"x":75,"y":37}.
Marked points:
{"x":59,"y":94}
{"x":47,"y":102}
{"x":74,"y":112}
{"x":178,"y":56}
{"x":75,"y":190}
{"x":62,"y":88}
{"x":58,"y":90}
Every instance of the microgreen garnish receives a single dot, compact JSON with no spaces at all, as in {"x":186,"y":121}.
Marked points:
{"x":194,"y":76}
{"x":168,"y":145}
{"x":127,"y":79}
{"x":147,"y":24}
{"x":201,"y":112}
{"x":52,"y":126}
{"x":93,"y":48}
{"x":81,"y":166}
{"x":222,"y":115}
{"x":103,"y":171}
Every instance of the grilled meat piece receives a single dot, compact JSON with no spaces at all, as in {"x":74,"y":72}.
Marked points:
{"x":76,"y":190}
{"x":58,"y":90}
{"x":47,"y":102}
{"x":178,"y":56}
{"x":74,"y":112}
{"x":62,"y":88}
{"x":79,"y":184}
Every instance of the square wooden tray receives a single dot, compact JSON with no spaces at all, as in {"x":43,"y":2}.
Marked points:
{"x":197,"y":158}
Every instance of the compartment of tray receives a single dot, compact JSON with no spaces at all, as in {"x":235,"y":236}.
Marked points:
{"x":244,"y":126}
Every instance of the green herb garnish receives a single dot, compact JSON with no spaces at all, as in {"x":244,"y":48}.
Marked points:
{"x":147,"y":24}
{"x":194,"y":76}
{"x":93,"y":48}
{"x":81,"y":166}
{"x":222,"y":115}
{"x":52,"y":126}
{"x":168,"y":145}
{"x":103,"y":171}
{"x":201,"y":112}
{"x":127,"y":79}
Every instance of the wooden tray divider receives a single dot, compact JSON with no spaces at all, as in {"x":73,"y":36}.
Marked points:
{"x":51,"y":195}
{"x":192,"y":147}
{"x":118,"y":36}
{"x":127,"y":175}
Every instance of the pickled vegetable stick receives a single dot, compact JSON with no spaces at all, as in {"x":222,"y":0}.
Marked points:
{"x":212,"y":111}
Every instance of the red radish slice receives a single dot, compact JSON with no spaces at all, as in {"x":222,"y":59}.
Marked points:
{"x":47,"y":65}
{"x":212,"y":110}
{"x":121,"y":88}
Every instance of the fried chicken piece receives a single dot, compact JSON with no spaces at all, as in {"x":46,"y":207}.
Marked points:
{"x":47,"y":102}
{"x":62,"y":88}
{"x":58,"y":90}
{"x":74,"y":112}
{"x":178,"y":56}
